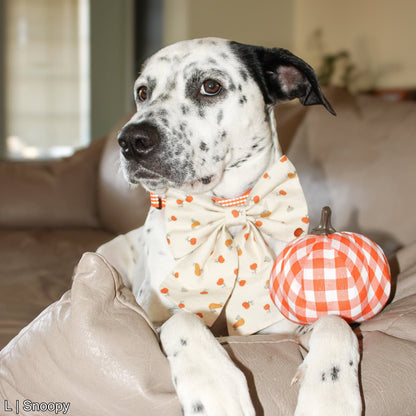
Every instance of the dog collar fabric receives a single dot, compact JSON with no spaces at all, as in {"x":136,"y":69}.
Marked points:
{"x":159,"y":202}
{"x":216,"y":270}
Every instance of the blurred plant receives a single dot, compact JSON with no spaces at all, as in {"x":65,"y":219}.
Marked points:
{"x":334,"y":68}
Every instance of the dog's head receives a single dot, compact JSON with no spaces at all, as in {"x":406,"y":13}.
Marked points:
{"x":203,"y":120}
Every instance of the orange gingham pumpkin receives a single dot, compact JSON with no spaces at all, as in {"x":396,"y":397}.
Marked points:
{"x":329,"y":272}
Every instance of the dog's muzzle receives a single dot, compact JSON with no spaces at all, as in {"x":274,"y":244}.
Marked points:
{"x":138,"y":140}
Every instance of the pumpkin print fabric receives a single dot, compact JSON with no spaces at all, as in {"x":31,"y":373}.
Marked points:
{"x":215,"y":270}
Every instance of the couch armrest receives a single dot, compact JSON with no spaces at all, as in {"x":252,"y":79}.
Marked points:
{"x":53,"y":193}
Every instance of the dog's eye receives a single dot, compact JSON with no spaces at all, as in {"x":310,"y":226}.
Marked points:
{"x":142,"y":93}
{"x":210,"y":87}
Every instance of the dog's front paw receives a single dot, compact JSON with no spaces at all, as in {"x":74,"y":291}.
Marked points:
{"x":206,"y":380}
{"x":328,"y":377}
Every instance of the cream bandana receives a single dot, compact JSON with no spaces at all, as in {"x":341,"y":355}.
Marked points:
{"x":215,"y":270}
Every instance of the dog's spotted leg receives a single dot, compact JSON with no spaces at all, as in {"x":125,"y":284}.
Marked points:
{"x":328,"y":376}
{"x":206,"y":380}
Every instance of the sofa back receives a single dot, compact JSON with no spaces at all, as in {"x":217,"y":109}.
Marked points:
{"x":362,"y":164}
{"x":54,"y":193}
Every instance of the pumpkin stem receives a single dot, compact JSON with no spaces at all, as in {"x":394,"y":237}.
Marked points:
{"x":325,"y":227}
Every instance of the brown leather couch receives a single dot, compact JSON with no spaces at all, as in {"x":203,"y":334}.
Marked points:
{"x":94,"y":347}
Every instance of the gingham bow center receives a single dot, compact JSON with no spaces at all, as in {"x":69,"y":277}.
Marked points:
{"x":215,"y":269}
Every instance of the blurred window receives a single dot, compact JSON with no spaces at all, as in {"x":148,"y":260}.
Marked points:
{"x":46,"y":80}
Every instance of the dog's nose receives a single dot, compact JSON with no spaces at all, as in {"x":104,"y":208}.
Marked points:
{"x":138,"y":140}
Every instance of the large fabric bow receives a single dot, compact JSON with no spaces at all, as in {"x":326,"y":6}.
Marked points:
{"x":216,"y":270}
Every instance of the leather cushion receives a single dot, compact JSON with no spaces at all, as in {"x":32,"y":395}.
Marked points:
{"x":96,"y":349}
{"x":93,"y":348}
{"x":58,"y":193}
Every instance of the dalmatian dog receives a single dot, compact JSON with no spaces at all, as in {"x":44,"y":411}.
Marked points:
{"x":205,"y":126}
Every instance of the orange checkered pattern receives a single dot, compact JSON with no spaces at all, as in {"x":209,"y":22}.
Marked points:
{"x":159,"y":202}
{"x":345,"y":274}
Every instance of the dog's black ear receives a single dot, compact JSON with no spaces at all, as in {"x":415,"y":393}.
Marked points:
{"x":281,"y":75}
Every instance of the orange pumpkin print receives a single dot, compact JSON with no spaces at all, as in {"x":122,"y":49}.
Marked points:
{"x":221,"y":259}
{"x":265,"y":214}
{"x":291,"y":175}
{"x":298,"y":232}
{"x":258,"y":223}
{"x":179,"y":201}
{"x":214,"y":306}
{"x":199,"y":314}
{"x":164,"y":290}
{"x":228,"y":242}
{"x":189,"y":198}
{"x":195,"y":224}
{"x":282,"y":192}
{"x":235,"y":213}
{"x":266,"y":307}
{"x":220,"y":281}
{"x":283,"y":159}
{"x":176,"y":275}
{"x":305,"y":220}
{"x":266,"y":175}
{"x":197,"y":269}
{"x":181,"y":305}
{"x":173,"y":218}
{"x":256,"y":199}
{"x":253,"y":266}
{"x":239,"y":323}
{"x":239,"y":252}
{"x":242,"y":282}
{"x":246,"y":305}
{"x":192,"y":241}
{"x":204,"y":292}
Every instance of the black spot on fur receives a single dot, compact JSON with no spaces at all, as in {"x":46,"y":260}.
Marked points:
{"x":220,"y":116}
{"x":323,"y":377}
{"x":184,"y":342}
{"x":243,"y":99}
{"x":185,"y":109}
{"x":335,"y":373}
{"x":164,"y":97}
{"x":198,"y":407}
{"x":165,"y":122}
{"x":175,"y":381}
{"x":203,"y":146}
{"x":206,"y":180}
{"x":351,"y":363}
{"x":244,"y":74}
